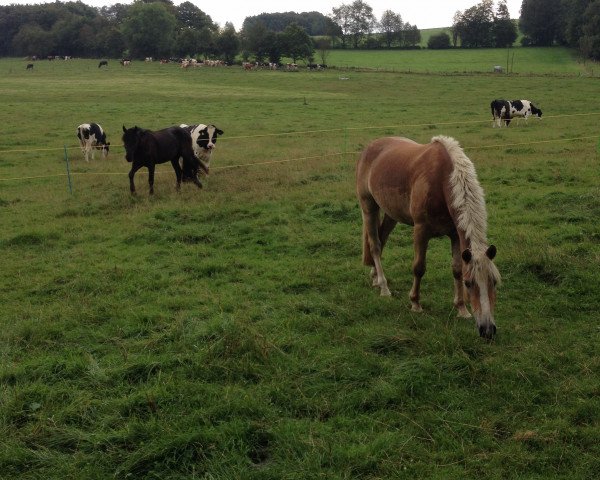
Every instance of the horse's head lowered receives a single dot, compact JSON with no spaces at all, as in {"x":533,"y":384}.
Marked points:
{"x":480,"y":277}
{"x":131,"y":140}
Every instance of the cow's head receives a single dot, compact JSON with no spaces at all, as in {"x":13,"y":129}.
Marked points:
{"x":131,"y":140}
{"x":207,"y":137}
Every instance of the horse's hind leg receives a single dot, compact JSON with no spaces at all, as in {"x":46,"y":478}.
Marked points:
{"x":420,"y":241}
{"x":371,"y":232}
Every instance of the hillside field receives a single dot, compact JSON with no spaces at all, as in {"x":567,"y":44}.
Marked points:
{"x":232,"y":332}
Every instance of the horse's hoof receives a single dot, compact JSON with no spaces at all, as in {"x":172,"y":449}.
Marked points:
{"x":463,"y":313}
{"x":416,"y":308}
{"x":385,"y":292}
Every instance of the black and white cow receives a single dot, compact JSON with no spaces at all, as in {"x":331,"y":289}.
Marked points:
{"x":505,"y":111}
{"x":523,"y":109}
{"x":500,"y":112}
{"x":204,"y":138}
{"x":92,"y":137}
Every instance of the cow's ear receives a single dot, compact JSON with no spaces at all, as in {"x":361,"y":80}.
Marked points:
{"x":219,"y":131}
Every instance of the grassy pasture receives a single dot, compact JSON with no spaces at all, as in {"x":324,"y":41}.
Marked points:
{"x":232,"y":333}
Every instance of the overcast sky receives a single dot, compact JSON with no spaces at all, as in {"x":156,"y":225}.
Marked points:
{"x":422,"y":13}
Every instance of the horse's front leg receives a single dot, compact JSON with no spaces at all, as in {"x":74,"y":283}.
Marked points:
{"x":134,"y":168}
{"x":459,"y":291}
{"x":151,"y":168}
{"x":420,"y":242}
{"x":371,"y":226}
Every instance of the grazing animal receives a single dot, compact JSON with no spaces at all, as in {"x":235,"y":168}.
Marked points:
{"x":103,"y":63}
{"x":125,"y":62}
{"x":500,"y":112}
{"x":434,"y":188}
{"x":204,"y":139}
{"x":145,"y":148}
{"x":92,"y":137}
{"x":523,"y":109}
{"x":29,"y":66}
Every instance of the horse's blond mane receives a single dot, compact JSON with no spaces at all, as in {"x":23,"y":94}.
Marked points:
{"x":467,"y":195}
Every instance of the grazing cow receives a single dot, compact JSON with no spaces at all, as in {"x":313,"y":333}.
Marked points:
{"x":500,"y":112}
{"x":29,"y":66}
{"x":204,"y":138}
{"x":103,"y":63}
{"x":523,"y":109}
{"x":144,"y":148}
{"x":125,"y":62}
{"x":92,"y":137}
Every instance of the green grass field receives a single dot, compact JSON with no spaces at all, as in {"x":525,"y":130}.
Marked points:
{"x":231,"y":332}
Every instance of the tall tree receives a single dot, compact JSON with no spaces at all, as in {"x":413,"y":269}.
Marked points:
{"x":391,"y":26}
{"x":540,"y":21}
{"x":149,"y":30}
{"x":362,"y":21}
{"x":296,"y":43}
{"x":342,"y":17}
{"x":590,"y":41}
{"x":190,"y":16}
{"x":227,"y":43}
{"x":475,"y":25}
{"x":504,"y":30}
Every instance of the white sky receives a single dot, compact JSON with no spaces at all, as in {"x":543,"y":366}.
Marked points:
{"x":422,"y":13}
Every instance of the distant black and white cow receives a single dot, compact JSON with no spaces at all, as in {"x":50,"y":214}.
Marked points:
{"x":504,"y":111}
{"x":29,"y":66}
{"x":500,"y":112}
{"x":92,"y":137}
{"x":103,"y":63}
{"x":204,"y":138}
{"x":523,"y":109}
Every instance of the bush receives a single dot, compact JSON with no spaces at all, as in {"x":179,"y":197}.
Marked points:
{"x":439,"y":41}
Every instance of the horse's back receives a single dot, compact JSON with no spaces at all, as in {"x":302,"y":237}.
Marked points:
{"x":407,"y":180}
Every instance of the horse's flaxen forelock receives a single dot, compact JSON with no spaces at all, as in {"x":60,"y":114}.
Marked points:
{"x":467,"y":195}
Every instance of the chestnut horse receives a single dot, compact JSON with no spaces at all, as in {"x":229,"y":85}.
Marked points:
{"x":434,"y":188}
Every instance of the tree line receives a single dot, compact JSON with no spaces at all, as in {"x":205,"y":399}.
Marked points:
{"x":158,"y":28}
{"x":572,"y":23}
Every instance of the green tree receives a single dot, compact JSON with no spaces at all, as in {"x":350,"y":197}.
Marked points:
{"x":590,"y":41}
{"x":474,"y":25}
{"x":227,"y":43}
{"x":149,"y":30}
{"x":362,"y":21}
{"x":190,"y":16}
{"x":391,"y":26}
{"x":33,"y":40}
{"x":439,"y":41}
{"x":342,"y":17}
{"x":296,"y":43}
{"x":504,"y":30}
{"x":541,"y":21}
{"x":255,"y":41}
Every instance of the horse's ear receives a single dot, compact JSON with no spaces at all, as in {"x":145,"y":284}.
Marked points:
{"x":124,"y":129}
{"x":491,"y":252}
{"x":467,"y":255}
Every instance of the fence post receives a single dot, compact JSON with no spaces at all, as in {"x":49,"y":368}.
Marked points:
{"x":68,"y":171}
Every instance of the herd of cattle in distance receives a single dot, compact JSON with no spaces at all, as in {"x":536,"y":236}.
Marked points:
{"x":192,"y":62}
{"x":503,"y":111}
{"x":193,"y":144}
